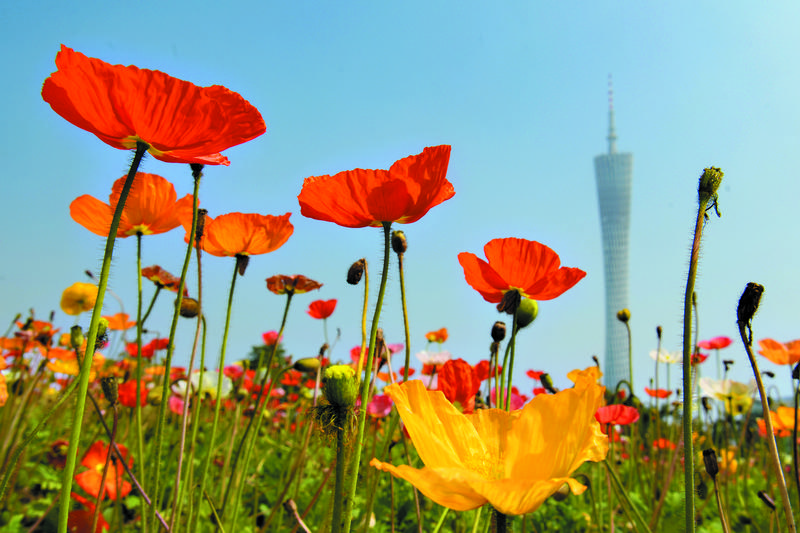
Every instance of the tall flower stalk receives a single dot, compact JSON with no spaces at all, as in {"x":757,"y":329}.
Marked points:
{"x":86,"y":367}
{"x":707,"y":199}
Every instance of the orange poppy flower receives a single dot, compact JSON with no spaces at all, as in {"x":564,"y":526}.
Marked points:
{"x":3,"y":390}
{"x":440,"y":335}
{"x":151,"y":208}
{"x":512,"y":460}
{"x":782,"y":422}
{"x":235,"y":234}
{"x":360,"y":198}
{"x":94,"y":460}
{"x":321,"y":309}
{"x":119,"y":322}
{"x":658,"y":393}
{"x":780,"y":353}
{"x":162,"y":278}
{"x":527,"y":266}
{"x":179,"y":121}
{"x":297,"y":284}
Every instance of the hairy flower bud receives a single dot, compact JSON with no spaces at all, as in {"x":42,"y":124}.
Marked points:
{"x":340,"y":386}
{"x":623,"y":315}
{"x":102,"y":333}
{"x":399,"y":243}
{"x":709,"y":182}
{"x":190,"y":308}
{"x":526,"y":312}
{"x":76,"y":337}
{"x":510,"y":302}
{"x":710,"y":462}
{"x":547,"y":383}
{"x":748,"y":305}
{"x":306,"y":364}
{"x":658,"y":331}
{"x":110,"y":389}
{"x":356,"y":271}
{"x":498,"y":331}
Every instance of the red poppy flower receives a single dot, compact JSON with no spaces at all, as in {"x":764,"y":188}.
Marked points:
{"x":535,"y":374}
{"x":485,"y":372}
{"x":270,"y":337}
{"x":528,"y":266}
{"x":127,"y":394}
{"x":119,"y":322}
{"x":459,"y":382}
{"x":321,"y":309}
{"x":242,"y":233}
{"x":698,"y":358}
{"x":717,"y":343}
{"x":94,"y":460}
{"x":162,"y":278}
{"x":80,"y":520}
{"x":149,"y":349}
{"x":297,"y":284}
{"x":539,"y":390}
{"x":151,"y":208}
{"x":780,"y":353}
{"x":616,"y":414}
{"x":360,"y":198}
{"x":658,"y":393}
{"x":440,"y":335}
{"x":180,"y":122}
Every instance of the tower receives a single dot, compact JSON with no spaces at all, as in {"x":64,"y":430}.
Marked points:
{"x":614,"y":173}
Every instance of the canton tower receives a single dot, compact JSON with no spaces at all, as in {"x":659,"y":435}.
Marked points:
{"x":614,"y":173}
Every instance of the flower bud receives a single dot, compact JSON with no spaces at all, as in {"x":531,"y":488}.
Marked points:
{"x":356,"y":271}
{"x":76,"y":337}
{"x":102,"y":333}
{"x":399,"y":243}
{"x":526,"y":312}
{"x":623,"y":315}
{"x":110,"y":389}
{"x":709,"y":182}
{"x":547,"y":383}
{"x":658,"y":331}
{"x":340,"y":386}
{"x":561,"y":494}
{"x":710,"y":462}
{"x":306,"y":364}
{"x":768,"y":501}
{"x":498,"y":331}
{"x":748,"y":304}
{"x":190,"y":308}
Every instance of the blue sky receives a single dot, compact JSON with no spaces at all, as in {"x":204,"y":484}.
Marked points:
{"x":518,"y":90}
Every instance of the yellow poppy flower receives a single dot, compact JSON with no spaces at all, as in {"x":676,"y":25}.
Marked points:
{"x":78,"y":297}
{"x":512,"y":460}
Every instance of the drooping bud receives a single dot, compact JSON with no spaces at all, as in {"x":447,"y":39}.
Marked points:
{"x":340,"y":386}
{"x":596,"y":361}
{"x":526,"y":312}
{"x":190,"y":308}
{"x":356,"y":271}
{"x":748,"y":305}
{"x":561,"y":494}
{"x":768,"y":373}
{"x":796,"y":371}
{"x":705,"y":401}
{"x":306,"y":364}
{"x":547,"y":383}
{"x":102,"y":334}
{"x":241,"y":263}
{"x":76,"y":337}
{"x":768,"y":501}
{"x":498,"y":331}
{"x":110,"y":389}
{"x":710,"y":462}
{"x":399,"y":243}
{"x":623,"y":315}
{"x":510,"y":302}
{"x":658,"y":332}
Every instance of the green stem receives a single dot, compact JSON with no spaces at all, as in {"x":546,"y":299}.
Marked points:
{"x":500,"y":522}
{"x":139,"y":328}
{"x":362,"y":413}
{"x":773,"y":448}
{"x":508,"y":363}
{"x":162,"y":408}
{"x":405,"y":318}
{"x":439,"y":523}
{"x":630,"y":356}
{"x":83,"y":378}
{"x":341,"y":467}
{"x":258,"y":417}
{"x":688,"y":452}
{"x":103,"y":478}
{"x":152,"y":300}
{"x":627,"y":506}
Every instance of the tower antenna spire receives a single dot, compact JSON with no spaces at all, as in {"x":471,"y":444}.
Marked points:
{"x":612,"y":134}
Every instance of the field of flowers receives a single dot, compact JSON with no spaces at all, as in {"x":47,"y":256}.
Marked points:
{"x":99,"y":430}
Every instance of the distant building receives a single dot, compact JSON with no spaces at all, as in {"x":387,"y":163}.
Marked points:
{"x":614,"y":175}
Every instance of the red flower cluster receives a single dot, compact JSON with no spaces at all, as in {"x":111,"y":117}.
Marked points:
{"x":149,"y":349}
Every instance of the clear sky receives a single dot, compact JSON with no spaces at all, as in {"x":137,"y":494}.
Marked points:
{"x":517,"y":88}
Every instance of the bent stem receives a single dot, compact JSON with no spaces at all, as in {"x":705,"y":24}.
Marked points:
{"x":83,"y":388}
{"x":362,"y":413}
{"x":773,"y":448}
{"x":162,"y":408}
